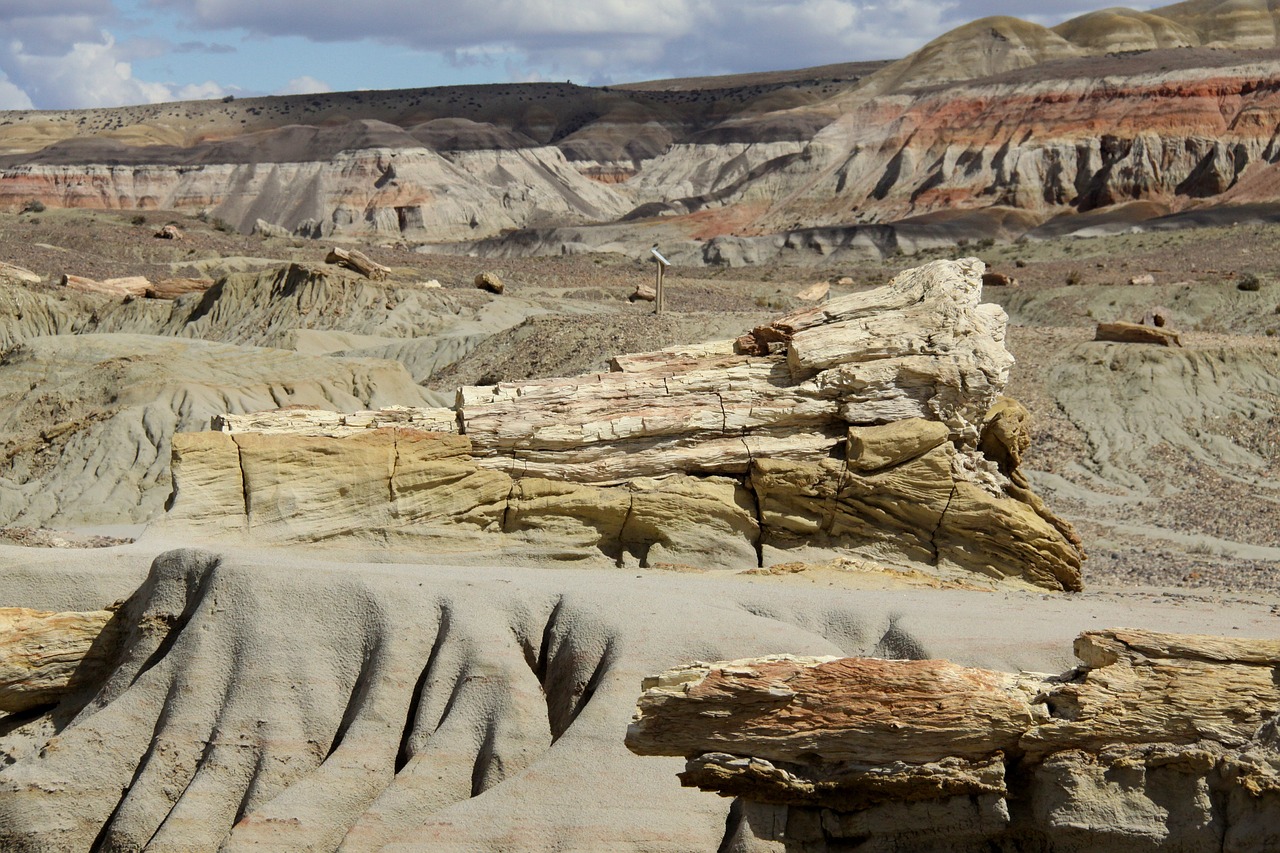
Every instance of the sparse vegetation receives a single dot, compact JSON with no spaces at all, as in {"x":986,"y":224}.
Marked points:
{"x":139,"y":219}
{"x":1073,"y":277}
{"x":35,"y":205}
{"x":1249,"y":282}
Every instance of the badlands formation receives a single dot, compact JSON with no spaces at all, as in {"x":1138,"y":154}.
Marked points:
{"x":433,"y":536}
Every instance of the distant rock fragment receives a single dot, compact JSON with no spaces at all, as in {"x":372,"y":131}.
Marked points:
{"x":489,"y":281}
{"x":998,"y":279}
{"x":814,"y":292}
{"x":1144,"y":279}
{"x":357,"y":261}
{"x":1136,"y":333}
{"x":9,"y":273}
{"x":643,"y":293}
{"x":263,"y":228}
{"x":44,"y":655}
{"x":170,"y":232}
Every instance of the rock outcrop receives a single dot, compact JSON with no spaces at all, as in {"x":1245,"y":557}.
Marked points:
{"x":852,"y":425}
{"x":1155,"y":741}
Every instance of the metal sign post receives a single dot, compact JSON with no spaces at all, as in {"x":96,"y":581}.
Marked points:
{"x":661,"y":263}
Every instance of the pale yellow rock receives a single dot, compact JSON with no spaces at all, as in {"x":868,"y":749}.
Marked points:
{"x":872,"y":448}
{"x":209,"y":488}
{"x":44,"y":655}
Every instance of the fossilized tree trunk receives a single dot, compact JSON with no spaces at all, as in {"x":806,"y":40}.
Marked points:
{"x":1170,"y":739}
{"x":851,"y":425}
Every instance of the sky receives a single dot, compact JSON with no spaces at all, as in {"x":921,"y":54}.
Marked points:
{"x":68,"y":54}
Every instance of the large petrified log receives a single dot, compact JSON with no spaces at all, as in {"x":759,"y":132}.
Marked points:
{"x":855,"y":425}
{"x":1164,"y":741}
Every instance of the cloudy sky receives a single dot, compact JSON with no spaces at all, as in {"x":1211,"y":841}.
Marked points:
{"x":60,"y":54}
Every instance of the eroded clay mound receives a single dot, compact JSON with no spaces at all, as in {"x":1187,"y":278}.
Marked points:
{"x":300,"y":706}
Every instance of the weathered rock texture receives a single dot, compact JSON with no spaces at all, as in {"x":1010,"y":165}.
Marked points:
{"x":852,"y":425}
{"x":44,"y":656}
{"x":1156,"y":741}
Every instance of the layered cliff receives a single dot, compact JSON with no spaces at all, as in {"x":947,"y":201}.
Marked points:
{"x":1175,"y":107}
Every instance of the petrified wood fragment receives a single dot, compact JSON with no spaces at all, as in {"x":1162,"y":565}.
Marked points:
{"x":44,"y":655}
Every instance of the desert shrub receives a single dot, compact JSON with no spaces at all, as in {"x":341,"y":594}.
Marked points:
{"x":224,"y":226}
{"x":35,"y":205}
{"x":1249,"y":281}
{"x":986,"y":242}
{"x":1074,"y":277}
{"x":1019,"y":263}
{"x":139,"y":219}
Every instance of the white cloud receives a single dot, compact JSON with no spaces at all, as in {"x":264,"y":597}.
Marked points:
{"x":603,"y":38}
{"x":303,"y":86}
{"x":88,"y":74}
{"x":13,"y":98}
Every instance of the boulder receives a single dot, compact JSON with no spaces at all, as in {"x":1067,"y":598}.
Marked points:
{"x":998,"y":279}
{"x":490,"y":281}
{"x":1143,"y":280}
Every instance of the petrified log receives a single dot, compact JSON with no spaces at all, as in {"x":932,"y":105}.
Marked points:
{"x":1174,"y":716}
{"x":45,"y":655}
{"x":643,"y":293}
{"x":13,"y":273}
{"x":170,"y":232}
{"x":357,"y":261}
{"x":857,"y":429}
{"x":128,"y":286}
{"x":1158,"y":316}
{"x":319,"y":422}
{"x":1137,"y":333}
{"x":172,"y":288}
